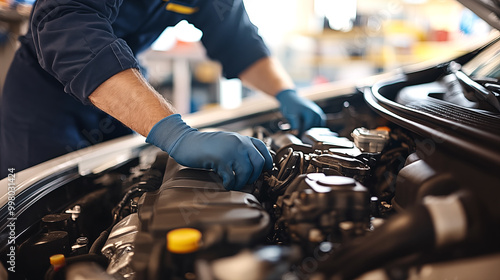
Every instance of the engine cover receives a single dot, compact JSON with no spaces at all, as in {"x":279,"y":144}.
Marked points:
{"x":197,"y":199}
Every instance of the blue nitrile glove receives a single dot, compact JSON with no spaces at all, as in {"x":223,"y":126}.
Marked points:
{"x":300,"y":112}
{"x":238,"y":159}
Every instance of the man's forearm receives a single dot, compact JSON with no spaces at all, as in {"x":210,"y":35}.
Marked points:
{"x":267,"y":75}
{"x":129,"y":98}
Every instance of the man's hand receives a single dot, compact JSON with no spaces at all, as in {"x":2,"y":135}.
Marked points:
{"x":239,"y":160}
{"x":300,"y":112}
{"x":269,"y":76}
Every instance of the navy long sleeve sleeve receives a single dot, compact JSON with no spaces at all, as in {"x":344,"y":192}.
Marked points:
{"x":75,"y":43}
{"x":229,"y":36}
{"x":83,"y":43}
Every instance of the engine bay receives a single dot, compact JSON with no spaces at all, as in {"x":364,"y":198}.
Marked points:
{"x":379,"y":193}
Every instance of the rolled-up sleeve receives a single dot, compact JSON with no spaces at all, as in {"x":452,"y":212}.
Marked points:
{"x":228,"y":35}
{"x":75,"y":43}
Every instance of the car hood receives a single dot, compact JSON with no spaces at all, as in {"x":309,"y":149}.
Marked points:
{"x":488,"y":10}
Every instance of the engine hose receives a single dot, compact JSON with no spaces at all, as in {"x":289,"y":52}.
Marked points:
{"x":99,"y":242}
{"x":132,"y":192}
{"x":279,"y":189}
{"x":284,"y":163}
{"x":438,"y":222}
{"x":405,"y":233}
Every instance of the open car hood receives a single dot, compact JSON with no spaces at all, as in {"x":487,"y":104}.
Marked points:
{"x":488,"y":10}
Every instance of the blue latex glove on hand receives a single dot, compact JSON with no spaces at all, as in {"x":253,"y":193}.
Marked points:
{"x":300,"y":112}
{"x":238,"y":159}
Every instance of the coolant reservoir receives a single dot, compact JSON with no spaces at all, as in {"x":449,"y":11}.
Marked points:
{"x":370,"y":140}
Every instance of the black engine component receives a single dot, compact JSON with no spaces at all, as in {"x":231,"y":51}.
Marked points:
{"x":332,"y":164}
{"x":191,"y":198}
{"x":417,"y":180}
{"x":34,"y":254}
{"x":317,"y":207}
{"x":196,"y":198}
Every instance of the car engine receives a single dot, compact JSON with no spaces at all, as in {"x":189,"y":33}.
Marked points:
{"x":402,"y":183}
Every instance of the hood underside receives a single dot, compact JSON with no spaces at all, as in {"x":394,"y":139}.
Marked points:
{"x":488,"y":10}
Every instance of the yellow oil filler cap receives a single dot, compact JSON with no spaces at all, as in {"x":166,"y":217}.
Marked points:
{"x":183,"y":240}
{"x":58,"y":261}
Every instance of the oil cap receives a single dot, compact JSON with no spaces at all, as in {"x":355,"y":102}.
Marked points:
{"x":183,"y":240}
{"x":58,"y":261}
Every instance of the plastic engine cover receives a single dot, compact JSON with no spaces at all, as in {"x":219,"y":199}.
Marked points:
{"x":197,"y":199}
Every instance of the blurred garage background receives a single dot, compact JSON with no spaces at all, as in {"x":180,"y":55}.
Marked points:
{"x":318,"y":41}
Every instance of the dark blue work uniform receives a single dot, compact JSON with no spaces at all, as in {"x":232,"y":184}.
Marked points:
{"x":73,"y":46}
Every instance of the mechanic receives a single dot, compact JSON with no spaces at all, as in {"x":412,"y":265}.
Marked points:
{"x":75,"y":76}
